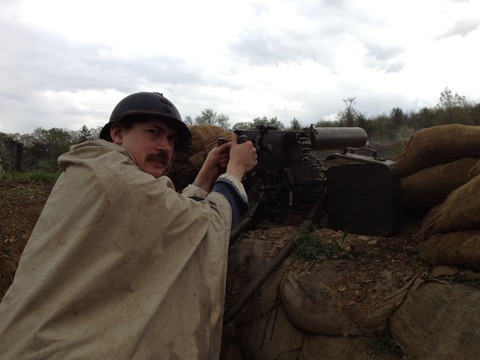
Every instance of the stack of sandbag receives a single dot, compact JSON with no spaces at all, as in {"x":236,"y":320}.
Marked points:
{"x":450,"y":233}
{"x":339,"y":307}
{"x":187,"y":162}
{"x":308,"y":312}
{"x":441,"y":176}
{"x":435,"y":161}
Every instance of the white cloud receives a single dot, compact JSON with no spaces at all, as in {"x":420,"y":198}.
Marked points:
{"x":67,"y":63}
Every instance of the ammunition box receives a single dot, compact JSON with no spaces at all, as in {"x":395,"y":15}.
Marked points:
{"x":364,"y":196}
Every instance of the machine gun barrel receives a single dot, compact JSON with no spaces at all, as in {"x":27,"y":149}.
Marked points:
{"x":279,"y":149}
{"x":336,"y":138}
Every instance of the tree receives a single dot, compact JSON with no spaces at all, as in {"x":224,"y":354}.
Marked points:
{"x":210,"y":117}
{"x":7,"y":149}
{"x":397,"y":116}
{"x":448,"y":102}
{"x":188,"y":120}
{"x":44,"y":147}
{"x":295,"y":124}
{"x":85,"y":134}
{"x":272,"y":122}
{"x":348,"y":116}
{"x":244,"y":126}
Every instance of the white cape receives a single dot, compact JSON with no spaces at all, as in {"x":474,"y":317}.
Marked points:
{"x":119,"y":266}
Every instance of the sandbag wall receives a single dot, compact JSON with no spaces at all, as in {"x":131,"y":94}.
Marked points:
{"x":340,"y":307}
{"x":337,"y":308}
{"x":441,"y":181}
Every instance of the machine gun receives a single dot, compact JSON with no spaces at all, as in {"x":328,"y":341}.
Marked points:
{"x":363,"y":195}
{"x":289,"y":179}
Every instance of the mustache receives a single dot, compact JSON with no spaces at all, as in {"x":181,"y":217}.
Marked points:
{"x":161,"y":156}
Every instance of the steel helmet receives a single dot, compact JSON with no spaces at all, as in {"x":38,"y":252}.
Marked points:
{"x":153,"y":103}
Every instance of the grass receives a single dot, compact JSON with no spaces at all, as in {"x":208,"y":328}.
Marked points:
{"x":21,"y":185}
{"x":308,"y":248}
{"x":33,"y":176}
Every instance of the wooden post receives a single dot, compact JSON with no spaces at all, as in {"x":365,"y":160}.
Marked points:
{"x":18,"y":156}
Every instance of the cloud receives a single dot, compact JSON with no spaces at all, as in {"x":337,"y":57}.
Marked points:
{"x":65,"y":66}
{"x":55,"y":78}
{"x":383,"y":57}
{"x":461,"y":28}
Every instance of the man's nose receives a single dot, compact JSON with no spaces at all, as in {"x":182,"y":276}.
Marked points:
{"x":164,"y":144}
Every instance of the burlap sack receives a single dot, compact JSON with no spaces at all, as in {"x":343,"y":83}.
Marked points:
{"x":439,"y":321}
{"x":429,"y":187}
{"x":438,"y":145}
{"x":315,"y":304}
{"x":271,"y":336}
{"x":343,"y":347}
{"x":461,"y":248}
{"x":265,"y":330}
{"x":188,"y":161}
{"x":459,"y":212}
{"x":248,"y":257}
{"x":474,"y":171}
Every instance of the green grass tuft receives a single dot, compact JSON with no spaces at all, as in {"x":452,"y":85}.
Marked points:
{"x":310,"y":249}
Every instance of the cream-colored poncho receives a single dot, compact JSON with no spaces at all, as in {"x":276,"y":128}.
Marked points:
{"x":119,"y":266}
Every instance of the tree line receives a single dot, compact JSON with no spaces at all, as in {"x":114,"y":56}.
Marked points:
{"x":41,"y":148}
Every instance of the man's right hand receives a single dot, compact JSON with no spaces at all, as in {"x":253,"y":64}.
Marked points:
{"x":243,"y":157}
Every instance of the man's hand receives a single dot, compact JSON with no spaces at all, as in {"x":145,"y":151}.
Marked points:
{"x":237,"y":159}
{"x":243,"y":157}
{"x":214,"y":165}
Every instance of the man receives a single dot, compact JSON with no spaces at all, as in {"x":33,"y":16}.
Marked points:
{"x":119,"y":265}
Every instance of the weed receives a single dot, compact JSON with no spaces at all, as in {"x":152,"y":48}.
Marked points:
{"x":308,"y":248}
{"x":422,"y":257}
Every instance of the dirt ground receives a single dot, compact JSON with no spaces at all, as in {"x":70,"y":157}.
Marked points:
{"x":21,"y":202}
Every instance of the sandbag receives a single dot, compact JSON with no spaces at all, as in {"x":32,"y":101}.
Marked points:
{"x":249,"y":256}
{"x":459,"y":212}
{"x":342,"y":347}
{"x":461,"y":248}
{"x":438,"y":145}
{"x":316,"y":303}
{"x":439,"y":321}
{"x":187,"y":162}
{"x":271,"y":336}
{"x":429,"y":187}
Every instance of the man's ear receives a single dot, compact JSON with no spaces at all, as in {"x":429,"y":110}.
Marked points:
{"x":116,"y":134}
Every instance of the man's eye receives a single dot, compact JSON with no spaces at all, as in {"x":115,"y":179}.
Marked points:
{"x":154,"y":132}
{"x":173,"y":138}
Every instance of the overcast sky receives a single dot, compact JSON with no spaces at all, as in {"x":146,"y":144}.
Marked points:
{"x":67,"y":63}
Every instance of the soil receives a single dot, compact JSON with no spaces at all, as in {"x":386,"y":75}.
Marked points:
{"x":21,"y":202}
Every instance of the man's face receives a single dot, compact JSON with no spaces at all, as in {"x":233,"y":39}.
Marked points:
{"x":151,"y":144}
